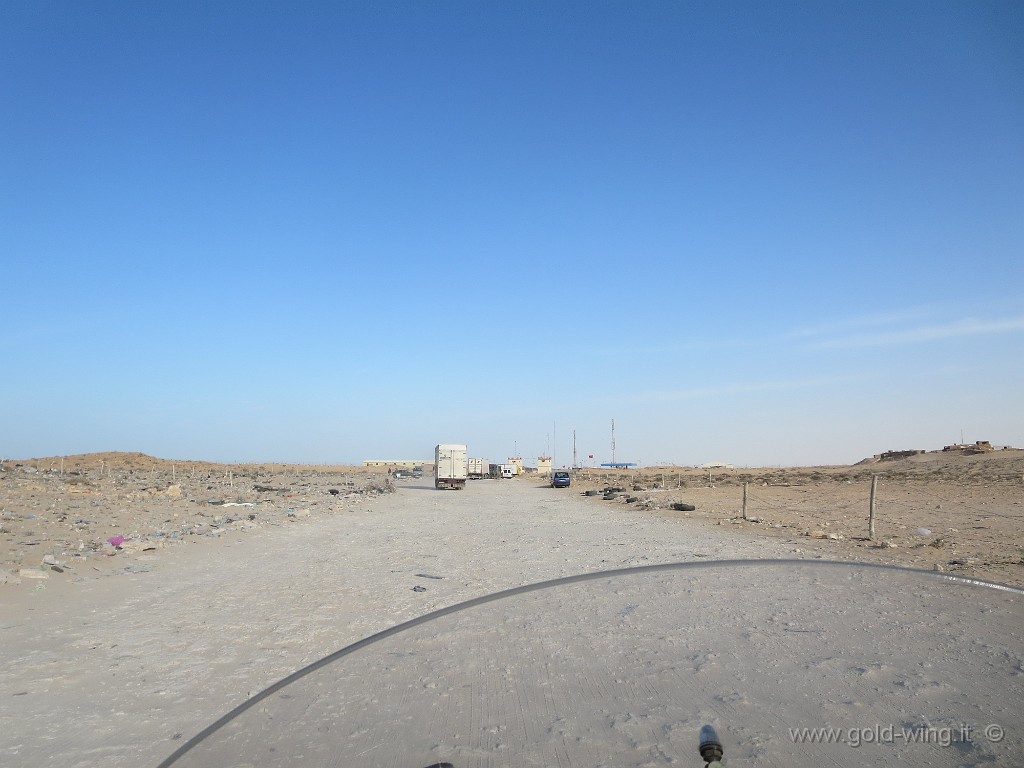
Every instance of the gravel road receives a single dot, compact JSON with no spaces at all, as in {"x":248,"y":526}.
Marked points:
{"x":117,"y":670}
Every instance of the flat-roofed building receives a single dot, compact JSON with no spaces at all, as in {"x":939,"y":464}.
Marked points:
{"x":398,"y":463}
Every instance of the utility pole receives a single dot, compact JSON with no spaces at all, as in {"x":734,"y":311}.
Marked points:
{"x":574,"y":462}
{"x":613,"y":441}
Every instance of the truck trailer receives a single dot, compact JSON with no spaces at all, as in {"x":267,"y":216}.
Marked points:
{"x":475,"y":469}
{"x":450,"y":466}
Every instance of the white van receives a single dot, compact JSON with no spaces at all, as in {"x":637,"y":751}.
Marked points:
{"x":507,"y":470}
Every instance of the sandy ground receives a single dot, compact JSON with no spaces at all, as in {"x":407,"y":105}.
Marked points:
{"x":124,"y":650}
{"x":954,"y":512}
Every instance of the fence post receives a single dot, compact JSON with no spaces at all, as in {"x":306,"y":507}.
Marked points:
{"x":871,"y":507}
{"x":745,"y":500}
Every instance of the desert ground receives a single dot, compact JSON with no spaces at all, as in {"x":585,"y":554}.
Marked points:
{"x":143,"y":598}
{"x":954,"y":511}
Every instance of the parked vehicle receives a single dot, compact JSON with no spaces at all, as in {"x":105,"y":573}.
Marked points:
{"x":450,"y":466}
{"x":508,"y":471}
{"x":475,"y":469}
{"x":560,"y":479}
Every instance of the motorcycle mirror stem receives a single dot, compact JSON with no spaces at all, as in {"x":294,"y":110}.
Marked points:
{"x":710,"y":746}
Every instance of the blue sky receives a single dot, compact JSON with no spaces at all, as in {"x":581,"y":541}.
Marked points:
{"x":763,"y":233}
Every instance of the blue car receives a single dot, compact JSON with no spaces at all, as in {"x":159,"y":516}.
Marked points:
{"x":559,"y":479}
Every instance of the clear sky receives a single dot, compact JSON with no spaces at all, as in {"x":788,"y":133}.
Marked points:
{"x":756,"y":232}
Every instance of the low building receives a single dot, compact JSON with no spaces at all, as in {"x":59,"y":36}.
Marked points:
{"x":398,"y":463}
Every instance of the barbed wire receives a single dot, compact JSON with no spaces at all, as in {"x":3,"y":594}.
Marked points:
{"x":883,"y":500}
{"x":977,"y":510}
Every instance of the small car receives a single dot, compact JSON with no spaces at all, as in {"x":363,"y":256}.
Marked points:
{"x":560,"y":479}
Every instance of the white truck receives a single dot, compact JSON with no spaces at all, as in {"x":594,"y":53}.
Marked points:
{"x":450,"y":466}
{"x":476,"y":469}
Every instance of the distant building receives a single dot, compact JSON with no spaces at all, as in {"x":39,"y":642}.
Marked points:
{"x":398,"y":463}
{"x":981,"y":446}
{"x":543,"y":465}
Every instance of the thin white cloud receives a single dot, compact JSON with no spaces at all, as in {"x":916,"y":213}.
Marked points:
{"x":846,"y":325}
{"x":926,"y":333}
{"x":719,"y":390}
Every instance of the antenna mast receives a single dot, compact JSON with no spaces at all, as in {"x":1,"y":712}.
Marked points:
{"x":613,"y":441}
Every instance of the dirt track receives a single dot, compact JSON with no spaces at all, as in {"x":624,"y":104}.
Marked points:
{"x":113,"y":667}
{"x":958,"y":513}
{"x":116,"y":666}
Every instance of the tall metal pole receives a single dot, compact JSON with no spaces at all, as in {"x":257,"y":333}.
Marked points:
{"x":613,"y":441}
{"x":871,"y":507}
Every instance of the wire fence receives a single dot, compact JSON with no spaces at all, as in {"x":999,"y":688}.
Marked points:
{"x":917,"y":511}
